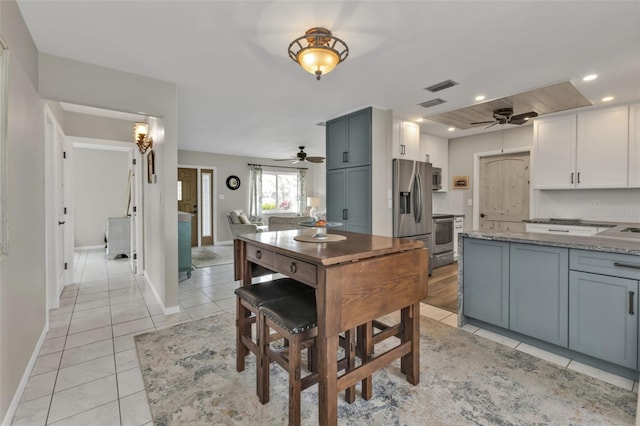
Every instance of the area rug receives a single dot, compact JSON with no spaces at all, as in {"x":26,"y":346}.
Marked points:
{"x":204,"y":257}
{"x":190,"y":378}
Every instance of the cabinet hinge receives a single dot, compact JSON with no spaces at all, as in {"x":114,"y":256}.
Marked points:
{"x":66,"y":265}
{"x":134,"y":161}
{"x":135,"y":209}
{"x":135,"y":256}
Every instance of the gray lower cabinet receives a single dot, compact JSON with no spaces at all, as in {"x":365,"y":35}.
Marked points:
{"x":603,"y":318}
{"x":349,"y":198}
{"x":486,"y":281}
{"x":538,"y":292}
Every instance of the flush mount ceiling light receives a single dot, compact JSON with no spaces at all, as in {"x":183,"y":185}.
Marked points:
{"x":141,"y":133}
{"x":318,"y":52}
{"x":590,"y":77}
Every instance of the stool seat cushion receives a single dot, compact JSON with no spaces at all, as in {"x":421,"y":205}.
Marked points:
{"x":295,"y":313}
{"x":259,"y":293}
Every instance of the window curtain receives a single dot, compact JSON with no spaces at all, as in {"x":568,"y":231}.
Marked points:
{"x":302,"y":191}
{"x":255,"y":194}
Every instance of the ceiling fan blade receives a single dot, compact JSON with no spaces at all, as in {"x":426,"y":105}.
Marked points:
{"x":491,"y":125}
{"x":523,"y":118}
{"x":482,"y":122}
{"x":286,"y":159}
{"x":315,"y":159}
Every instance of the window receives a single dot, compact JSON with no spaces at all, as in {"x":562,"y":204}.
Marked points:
{"x":279,"y":192}
{"x":207,"y":177}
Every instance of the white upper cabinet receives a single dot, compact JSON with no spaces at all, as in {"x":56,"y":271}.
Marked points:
{"x":602,"y":148}
{"x":437,"y":149}
{"x":406,"y":140}
{"x":634,"y":146}
{"x":555,"y":152}
{"x":585,"y":150}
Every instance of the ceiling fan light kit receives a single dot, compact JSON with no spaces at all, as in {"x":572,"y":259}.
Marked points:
{"x":318,"y":51}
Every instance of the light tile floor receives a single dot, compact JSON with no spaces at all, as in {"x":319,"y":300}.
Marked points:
{"x":87,"y":371}
{"x":447,"y":317}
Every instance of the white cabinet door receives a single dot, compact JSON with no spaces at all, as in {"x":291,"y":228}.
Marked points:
{"x":406,"y":140}
{"x":602,"y":148}
{"x":555,"y":151}
{"x":634,"y":146}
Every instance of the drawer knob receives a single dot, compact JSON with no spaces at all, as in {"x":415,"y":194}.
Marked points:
{"x":258,"y":255}
{"x":292,"y":267}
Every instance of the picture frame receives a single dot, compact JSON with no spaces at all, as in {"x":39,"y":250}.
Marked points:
{"x":151,"y":166}
{"x":460,"y":182}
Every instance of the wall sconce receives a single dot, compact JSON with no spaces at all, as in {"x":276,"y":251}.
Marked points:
{"x":141,"y":133}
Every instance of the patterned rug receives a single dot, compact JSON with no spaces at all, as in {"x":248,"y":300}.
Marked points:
{"x":204,"y":257}
{"x":190,"y":378}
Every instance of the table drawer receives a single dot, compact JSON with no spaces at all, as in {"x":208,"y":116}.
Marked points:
{"x":296,"y":269}
{"x":614,"y":264}
{"x":260,"y":255}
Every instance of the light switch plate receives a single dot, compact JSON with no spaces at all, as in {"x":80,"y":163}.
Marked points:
{"x":470,"y":202}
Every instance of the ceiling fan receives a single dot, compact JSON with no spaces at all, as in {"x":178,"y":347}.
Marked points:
{"x":302,"y":156}
{"x":505,"y":116}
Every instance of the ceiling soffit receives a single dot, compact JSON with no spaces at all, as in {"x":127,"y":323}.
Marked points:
{"x":545,"y":100}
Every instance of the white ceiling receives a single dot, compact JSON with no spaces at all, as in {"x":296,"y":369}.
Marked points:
{"x":239,"y":93}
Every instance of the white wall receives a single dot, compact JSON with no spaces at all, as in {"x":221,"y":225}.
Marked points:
{"x":22,"y":271}
{"x":91,"y":126}
{"x":617,"y":205}
{"x":86,"y":84}
{"x":100,"y":190}
{"x":226,"y":165}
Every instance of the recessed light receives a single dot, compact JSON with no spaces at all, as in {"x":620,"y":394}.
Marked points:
{"x":590,"y":77}
{"x":608,"y":99}
{"x":451,"y":129}
{"x":420,"y":120}
{"x":480,"y":98}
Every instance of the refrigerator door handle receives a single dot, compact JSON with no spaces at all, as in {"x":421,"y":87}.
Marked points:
{"x":421,"y":200}
{"x":416,"y":200}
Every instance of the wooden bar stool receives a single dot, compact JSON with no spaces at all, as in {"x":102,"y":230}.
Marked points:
{"x":248,"y":300}
{"x":295,"y":319}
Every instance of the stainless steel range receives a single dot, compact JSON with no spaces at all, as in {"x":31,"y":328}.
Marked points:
{"x":442,"y":239}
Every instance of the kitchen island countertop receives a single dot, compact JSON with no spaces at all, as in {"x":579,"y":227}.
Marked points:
{"x":594,"y":243}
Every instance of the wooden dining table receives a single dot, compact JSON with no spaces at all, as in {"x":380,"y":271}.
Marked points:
{"x":357,"y":280}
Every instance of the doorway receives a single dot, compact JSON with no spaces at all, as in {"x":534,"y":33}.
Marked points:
{"x":188,"y":198}
{"x":502,"y":191}
{"x":206,"y":195}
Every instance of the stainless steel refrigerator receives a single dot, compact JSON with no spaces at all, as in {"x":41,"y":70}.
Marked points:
{"x":412,"y":204}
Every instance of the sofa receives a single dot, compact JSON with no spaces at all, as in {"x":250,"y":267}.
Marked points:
{"x":240,"y":224}
{"x":281,"y":223}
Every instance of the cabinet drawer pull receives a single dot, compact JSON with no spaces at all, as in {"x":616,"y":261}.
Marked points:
{"x":578,"y":177}
{"x":631,"y":294}
{"x":558,"y":230}
{"x":571,"y":177}
{"x":292,"y":268}
{"x":258,"y":254}
{"x":626,"y":265}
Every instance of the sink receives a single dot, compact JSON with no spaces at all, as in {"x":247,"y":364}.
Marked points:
{"x":635,"y":230}
{"x":621,"y":232}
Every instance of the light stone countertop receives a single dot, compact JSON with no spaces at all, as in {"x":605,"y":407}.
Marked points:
{"x":594,"y":242}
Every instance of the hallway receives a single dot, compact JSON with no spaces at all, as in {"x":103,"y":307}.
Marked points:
{"x":87,"y":372}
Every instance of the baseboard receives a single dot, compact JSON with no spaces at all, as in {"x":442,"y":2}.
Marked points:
{"x":17,"y":396}
{"x":101,"y":246}
{"x":165,"y":310}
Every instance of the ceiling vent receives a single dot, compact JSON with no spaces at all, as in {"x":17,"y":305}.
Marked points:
{"x":432,"y":103}
{"x":441,"y":86}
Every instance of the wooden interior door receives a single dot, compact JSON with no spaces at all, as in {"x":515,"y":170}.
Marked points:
{"x":206,"y":195}
{"x":504,"y":192}
{"x":188,"y":198}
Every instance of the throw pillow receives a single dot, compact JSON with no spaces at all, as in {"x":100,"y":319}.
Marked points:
{"x":235,"y":216}
{"x":243,"y":218}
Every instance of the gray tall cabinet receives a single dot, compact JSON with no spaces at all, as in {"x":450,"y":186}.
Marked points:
{"x":349,"y":162}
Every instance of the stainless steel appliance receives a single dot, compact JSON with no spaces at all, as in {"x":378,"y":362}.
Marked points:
{"x":443,"y":230}
{"x":412,"y":202}
{"x":436,"y":179}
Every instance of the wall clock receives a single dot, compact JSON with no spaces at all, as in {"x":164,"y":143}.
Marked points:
{"x":233,"y":182}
